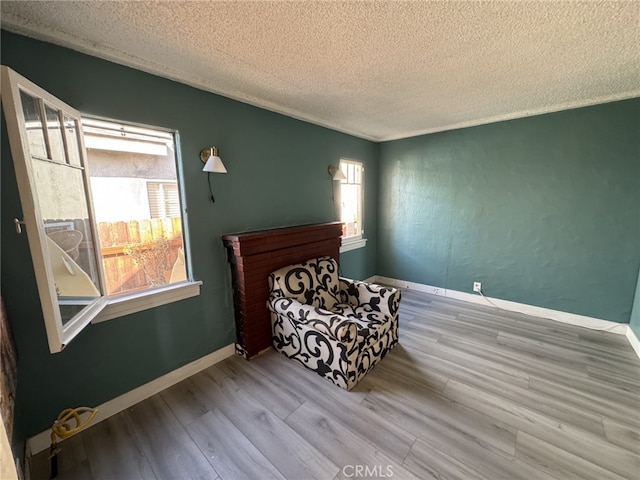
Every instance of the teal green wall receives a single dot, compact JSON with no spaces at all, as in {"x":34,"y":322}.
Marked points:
{"x":541,"y":210}
{"x":634,"y":323}
{"x":277,"y":177}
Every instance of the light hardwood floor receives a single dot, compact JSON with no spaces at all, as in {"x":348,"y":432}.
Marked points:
{"x":471,"y":392}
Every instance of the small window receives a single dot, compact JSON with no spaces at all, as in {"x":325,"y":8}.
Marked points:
{"x":104,"y":223}
{"x":351,"y":200}
{"x":163,"y":199}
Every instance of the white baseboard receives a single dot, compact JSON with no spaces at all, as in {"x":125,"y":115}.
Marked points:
{"x":564,"y":317}
{"x":42,"y":440}
{"x":420,"y":287}
{"x":633,"y":340}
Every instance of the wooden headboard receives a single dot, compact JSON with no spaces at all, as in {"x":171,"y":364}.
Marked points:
{"x":253,"y":256}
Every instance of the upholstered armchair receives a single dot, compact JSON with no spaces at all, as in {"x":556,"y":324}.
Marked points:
{"x":337,"y":327}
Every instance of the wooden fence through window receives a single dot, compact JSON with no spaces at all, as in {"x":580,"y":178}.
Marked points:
{"x":139,"y":254}
{"x":136,"y":254}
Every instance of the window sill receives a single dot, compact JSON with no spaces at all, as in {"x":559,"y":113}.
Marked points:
{"x":125,"y":305}
{"x":352,"y":244}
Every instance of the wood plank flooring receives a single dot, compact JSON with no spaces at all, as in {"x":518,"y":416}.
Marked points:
{"x":471,"y":392}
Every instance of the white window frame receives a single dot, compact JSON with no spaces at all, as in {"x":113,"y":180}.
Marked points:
{"x":101,"y":308}
{"x":354,"y":241}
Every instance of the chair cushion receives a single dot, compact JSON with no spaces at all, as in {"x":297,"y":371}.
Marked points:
{"x":314,"y":282}
{"x":328,"y":286}
{"x":371,"y":325}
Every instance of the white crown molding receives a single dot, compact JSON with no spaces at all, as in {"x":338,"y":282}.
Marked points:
{"x":520,"y":114}
{"x":16,"y":24}
{"x":41,"y":441}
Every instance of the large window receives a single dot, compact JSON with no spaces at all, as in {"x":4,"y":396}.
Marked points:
{"x":104,"y":224}
{"x":352,"y":204}
{"x":136,"y":201}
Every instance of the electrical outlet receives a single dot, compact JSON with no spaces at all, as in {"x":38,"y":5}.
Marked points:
{"x":477,"y":287}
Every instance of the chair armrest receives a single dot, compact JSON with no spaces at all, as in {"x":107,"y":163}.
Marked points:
{"x":333,"y":325}
{"x":378,"y":298}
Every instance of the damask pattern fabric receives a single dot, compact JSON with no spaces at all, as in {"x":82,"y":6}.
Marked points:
{"x":337,"y":327}
{"x":314,"y":282}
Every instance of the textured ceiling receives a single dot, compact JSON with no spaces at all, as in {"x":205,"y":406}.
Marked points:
{"x":378,"y":70}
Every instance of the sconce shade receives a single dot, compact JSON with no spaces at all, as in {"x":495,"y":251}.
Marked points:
{"x":336,"y":173}
{"x":339,"y":175}
{"x":212,"y":162}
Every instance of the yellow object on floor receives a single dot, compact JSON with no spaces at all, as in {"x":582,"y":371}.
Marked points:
{"x":62,"y":428}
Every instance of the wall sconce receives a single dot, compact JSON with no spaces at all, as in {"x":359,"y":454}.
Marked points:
{"x":211,"y":160}
{"x":212,"y":164}
{"x":336,"y":173}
